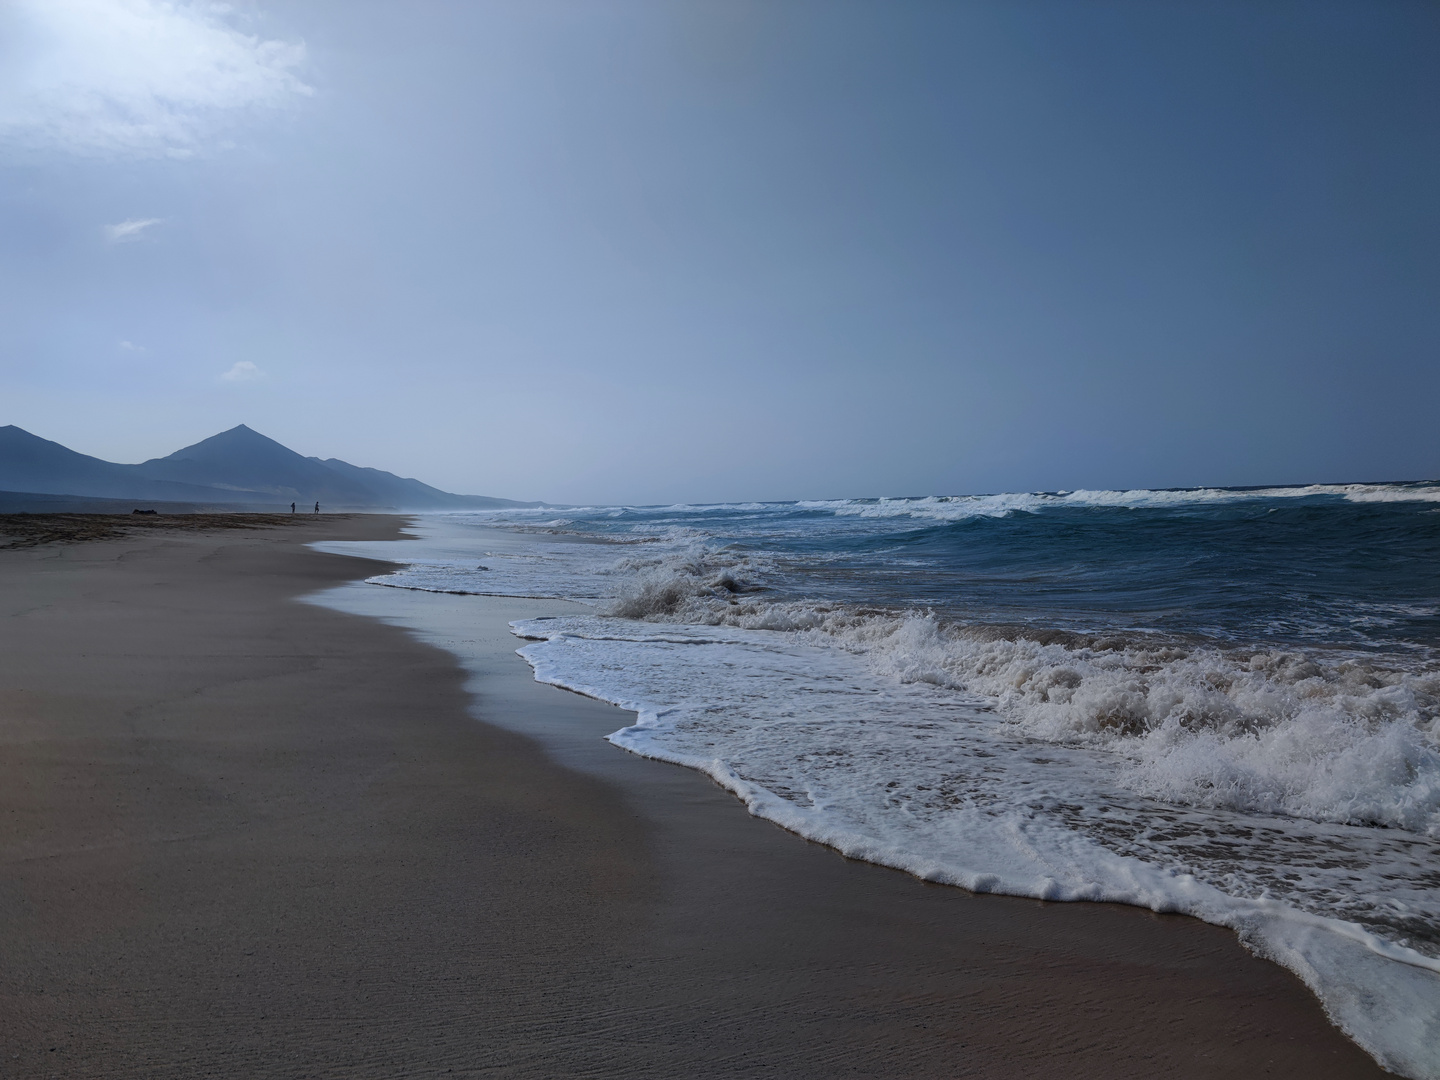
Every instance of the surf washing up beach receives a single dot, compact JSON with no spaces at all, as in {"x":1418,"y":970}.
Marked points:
{"x":1223,"y":703}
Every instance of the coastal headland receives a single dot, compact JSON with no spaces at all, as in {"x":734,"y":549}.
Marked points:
{"x":246,"y":836}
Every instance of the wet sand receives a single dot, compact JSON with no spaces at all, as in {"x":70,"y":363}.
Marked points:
{"x":245,"y":836}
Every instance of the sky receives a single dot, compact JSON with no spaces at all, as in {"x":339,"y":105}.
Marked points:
{"x":652,"y":251}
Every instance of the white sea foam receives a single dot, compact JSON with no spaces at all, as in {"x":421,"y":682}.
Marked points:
{"x":1274,"y":731}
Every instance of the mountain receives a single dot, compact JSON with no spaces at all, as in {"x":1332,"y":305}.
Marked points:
{"x":244,"y":461}
{"x":236,"y":467}
{"x":31,"y":464}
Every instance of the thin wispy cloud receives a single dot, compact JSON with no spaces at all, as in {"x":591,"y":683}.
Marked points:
{"x":131,"y":347}
{"x":135,"y":77}
{"x":131,"y":229}
{"x":244,"y":371}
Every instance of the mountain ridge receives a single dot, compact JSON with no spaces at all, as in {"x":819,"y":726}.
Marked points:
{"x":234,"y":467}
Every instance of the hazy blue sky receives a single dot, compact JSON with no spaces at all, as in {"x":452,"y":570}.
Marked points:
{"x":653,"y":251}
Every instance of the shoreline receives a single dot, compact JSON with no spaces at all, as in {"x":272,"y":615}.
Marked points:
{"x":246,"y":836}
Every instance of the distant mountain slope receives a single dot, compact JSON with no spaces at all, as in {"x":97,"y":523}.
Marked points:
{"x":402,"y":491}
{"x":236,"y":466}
{"x":30,"y":463}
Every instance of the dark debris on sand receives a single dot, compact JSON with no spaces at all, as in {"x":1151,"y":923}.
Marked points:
{"x":32,"y":530}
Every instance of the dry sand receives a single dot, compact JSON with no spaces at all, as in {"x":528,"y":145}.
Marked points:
{"x":244,"y":836}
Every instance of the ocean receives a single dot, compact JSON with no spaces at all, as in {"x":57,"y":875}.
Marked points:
{"x":1219,"y":702}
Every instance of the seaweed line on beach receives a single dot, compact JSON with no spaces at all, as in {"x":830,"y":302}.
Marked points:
{"x":32,"y":530}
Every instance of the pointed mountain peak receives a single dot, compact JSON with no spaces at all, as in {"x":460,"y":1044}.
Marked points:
{"x":239,"y":439}
{"x":239,"y":431}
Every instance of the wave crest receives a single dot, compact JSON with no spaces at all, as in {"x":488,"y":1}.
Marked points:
{"x":963,"y":507}
{"x":674,"y":585}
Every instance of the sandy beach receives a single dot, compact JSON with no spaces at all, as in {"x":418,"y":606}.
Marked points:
{"x":248,"y":836}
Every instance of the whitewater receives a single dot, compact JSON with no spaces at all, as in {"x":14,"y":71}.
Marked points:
{"x":1218,"y":702}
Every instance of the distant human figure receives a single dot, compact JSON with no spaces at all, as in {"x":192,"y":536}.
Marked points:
{"x":317,"y":507}
{"x":292,"y":508}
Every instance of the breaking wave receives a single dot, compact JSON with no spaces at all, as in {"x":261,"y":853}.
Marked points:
{"x":1331,"y":738}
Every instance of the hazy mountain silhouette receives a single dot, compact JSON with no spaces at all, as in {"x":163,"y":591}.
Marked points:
{"x":239,"y":466}
{"x":243,"y":460}
{"x":29,"y":463}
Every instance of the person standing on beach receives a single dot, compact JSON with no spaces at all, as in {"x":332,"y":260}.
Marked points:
{"x":292,"y":507}
{"x":317,"y":507}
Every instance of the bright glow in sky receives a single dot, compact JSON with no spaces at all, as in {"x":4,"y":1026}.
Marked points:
{"x":646,"y":251}
{"x":135,"y":77}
